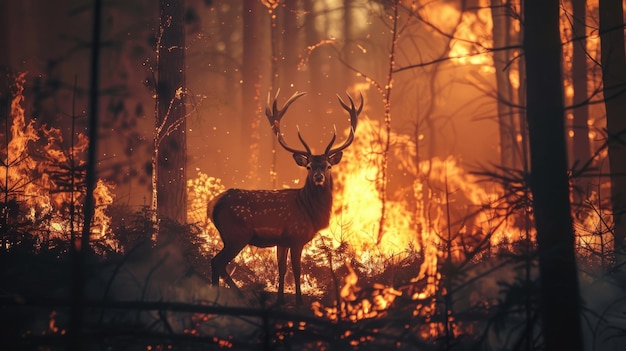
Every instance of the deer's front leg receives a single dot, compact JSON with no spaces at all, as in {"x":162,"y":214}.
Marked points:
{"x":281,"y":258}
{"x":296,"y":256}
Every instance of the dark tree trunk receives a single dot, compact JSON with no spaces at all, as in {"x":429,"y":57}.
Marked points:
{"x":581,"y":148}
{"x":79,"y":250}
{"x":614,"y":79}
{"x":560,"y":298}
{"x":171,"y":175}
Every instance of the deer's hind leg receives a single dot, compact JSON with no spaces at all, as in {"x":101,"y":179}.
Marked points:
{"x":230,"y":250}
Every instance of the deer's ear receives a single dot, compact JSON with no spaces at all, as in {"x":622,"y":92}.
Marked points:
{"x":301,"y":160}
{"x":335,"y":158}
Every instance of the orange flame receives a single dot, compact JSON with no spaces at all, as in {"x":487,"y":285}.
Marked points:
{"x":44,"y":184}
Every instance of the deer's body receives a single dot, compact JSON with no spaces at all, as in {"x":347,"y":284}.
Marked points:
{"x":288,"y":218}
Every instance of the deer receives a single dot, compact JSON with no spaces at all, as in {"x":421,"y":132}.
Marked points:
{"x":287,"y":218}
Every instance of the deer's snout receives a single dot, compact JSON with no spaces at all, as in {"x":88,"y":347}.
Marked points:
{"x":318,"y":178}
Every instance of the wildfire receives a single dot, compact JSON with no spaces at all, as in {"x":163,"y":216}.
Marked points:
{"x":414,"y":225}
{"x":442,"y":214}
{"x":49,"y":184}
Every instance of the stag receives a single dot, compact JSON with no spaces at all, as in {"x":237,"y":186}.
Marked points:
{"x":287,"y":218}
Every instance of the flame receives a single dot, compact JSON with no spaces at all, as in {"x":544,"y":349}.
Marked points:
{"x":358,"y":303}
{"x":470,"y":30}
{"x":473,"y":37}
{"x":49,"y":185}
{"x":356,"y":216}
{"x":17,"y":164}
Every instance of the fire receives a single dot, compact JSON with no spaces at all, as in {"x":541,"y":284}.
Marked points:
{"x":470,"y":30}
{"x":358,"y":303}
{"x":17,"y":165}
{"x":415,"y":225}
{"x":437,"y":212}
{"x":440,"y":214}
{"x":49,"y":184}
{"x":358,"y":204}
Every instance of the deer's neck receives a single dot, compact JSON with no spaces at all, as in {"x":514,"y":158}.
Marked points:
{"x":317,"y":201}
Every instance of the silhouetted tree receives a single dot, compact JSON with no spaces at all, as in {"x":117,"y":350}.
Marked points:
{"x":581,"y":146}
{"x":614,"y":79}
{"x":171,"y":175}
{"x":560,"y":299}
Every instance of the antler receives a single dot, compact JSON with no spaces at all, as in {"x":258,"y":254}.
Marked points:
{"x":274,"y":114}
{"x":354,"y":113}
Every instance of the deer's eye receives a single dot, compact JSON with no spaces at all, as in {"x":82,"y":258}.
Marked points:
{"x":328,"y":167}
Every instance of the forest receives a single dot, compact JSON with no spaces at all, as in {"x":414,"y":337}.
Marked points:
{"x":478,"y":178}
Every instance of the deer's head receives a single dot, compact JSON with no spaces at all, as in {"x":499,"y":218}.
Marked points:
{"x":318,"y":166}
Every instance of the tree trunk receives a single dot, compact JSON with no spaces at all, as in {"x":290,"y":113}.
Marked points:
{"x":581,"y":146}
{"x":254,"y":15}
{"x":314,"y":57}
{"x":172,"y":148}
{"x":559,"y":294}
{"x":614,"y":79}
{"x":291,"y":46}
{"x":506,"y":116}
{"x":79,"y":251}
{"x":347,"y":75}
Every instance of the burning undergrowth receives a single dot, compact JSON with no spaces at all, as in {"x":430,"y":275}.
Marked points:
{"x":43,"y":185}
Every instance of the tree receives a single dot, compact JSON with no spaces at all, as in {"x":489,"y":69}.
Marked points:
{"x":560,"y":299}
{"x":582,"y":149}
{"x":506,"y":117}
{"x":614,"y":79}
{"x":254,"y":79}
{"x":171,"y":153}
{"x":291,"y":45}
